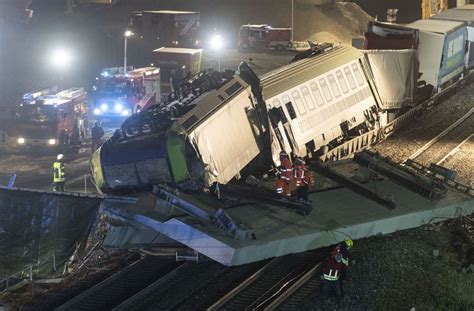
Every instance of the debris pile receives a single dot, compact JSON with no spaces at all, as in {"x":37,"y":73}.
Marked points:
{"x":339,"y":23}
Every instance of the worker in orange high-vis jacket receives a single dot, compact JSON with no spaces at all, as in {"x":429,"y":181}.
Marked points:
{"x":299,"y":173}
{"x":279,"y":183}
{"x":303,"y":178}
{"x":286,"y":172}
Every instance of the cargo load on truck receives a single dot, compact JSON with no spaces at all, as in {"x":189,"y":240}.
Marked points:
{"x":462,"y":14}
{"x":165,"y":28}
{"x":442,"y":51}
{"x":175,"y":65}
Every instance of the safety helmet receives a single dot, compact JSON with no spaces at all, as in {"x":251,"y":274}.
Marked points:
{"x":349,"y":243}
{"x":299,"y":160}
{"x":283,"y":153}
{"x":60,"y":156}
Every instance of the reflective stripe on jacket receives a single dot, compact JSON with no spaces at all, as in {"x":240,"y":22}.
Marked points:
{"x":286,"y":170}
{"x":58,"y":172}
{"x":300,"y":170}
{"x":331,"y":269}
{"x":330,"y":276}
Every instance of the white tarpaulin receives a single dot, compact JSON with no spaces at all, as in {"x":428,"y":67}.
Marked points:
{"x":226,"y":140}
{"x":394,"y":75}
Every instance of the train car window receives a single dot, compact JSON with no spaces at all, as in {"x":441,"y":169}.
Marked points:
{"x":357,"y":73}
{"x":342,"y":81}
{"x":350,"y":77}
{"x":276,"y":115}
{"x":333,"y":84}
{"x":307,"y":97}
{"x":233,"y":88}
{"x":276,"y":103}
{"x":299,"y":102}
{"x":291,"y":110}
{"x":325,"y":88}
{"x":282,"y":115}
{"x":317,"y":94}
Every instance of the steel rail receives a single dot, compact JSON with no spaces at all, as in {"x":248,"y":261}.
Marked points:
{"x":221,"y":302}
{"x":121,"y":285}
{"x":454,"y":150}
{"x":441,"y":135}
{"x":141,"y":295}
{"x":293,"y":288}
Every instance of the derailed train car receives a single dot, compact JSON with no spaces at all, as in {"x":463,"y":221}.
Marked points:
{"x":306,"y":107}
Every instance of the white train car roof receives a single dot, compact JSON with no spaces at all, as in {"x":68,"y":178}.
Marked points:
{"x":289,"y":76}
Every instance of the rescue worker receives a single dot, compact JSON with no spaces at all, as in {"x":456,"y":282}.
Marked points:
{"x":343,"y":249}
{"x":59,"y":174}
{"x":97,"y":133}
{"x":303,"y":179}
{"x":214,"y":190}
{"x":331,"y":273}
{"x":285,"y":172}
{"x":279,"y":183}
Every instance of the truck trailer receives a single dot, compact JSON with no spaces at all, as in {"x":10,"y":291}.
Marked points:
{"x":176,"y":64}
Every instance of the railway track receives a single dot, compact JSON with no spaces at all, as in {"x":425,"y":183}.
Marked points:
{"x":197,"y":284}
{"x":271,"y":285}
{"x":122,"y":285}
{"x":444,"y":145}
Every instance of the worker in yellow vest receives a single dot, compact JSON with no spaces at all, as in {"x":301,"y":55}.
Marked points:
{"x":59,"y":174}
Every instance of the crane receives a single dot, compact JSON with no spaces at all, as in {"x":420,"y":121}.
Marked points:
{"x":431,"y":7}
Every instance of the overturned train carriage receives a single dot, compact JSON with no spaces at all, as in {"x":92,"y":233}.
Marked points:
{"x":311,"y":105}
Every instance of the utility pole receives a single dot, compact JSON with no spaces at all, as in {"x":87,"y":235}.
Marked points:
{"x":125,"y":55}
{"x":292,"y":19}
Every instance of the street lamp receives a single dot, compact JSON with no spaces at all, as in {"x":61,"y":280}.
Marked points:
{"x":126,"y":34}
{"x":60,"y":59}
{"x":216,"y":44}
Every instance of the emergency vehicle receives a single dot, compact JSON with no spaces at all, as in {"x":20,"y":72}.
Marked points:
{"x":263,"y":37}
{"x":175,"y":65}
{"x":117,"y":95}
{"x":47,"y":119}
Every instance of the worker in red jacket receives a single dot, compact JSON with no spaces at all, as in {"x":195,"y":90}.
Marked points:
{"x":332,"y":269}
{"x":303,"y":178}
{"x":279,"y":183}
{"x":285,"y":174}
{"x":343,"y":249}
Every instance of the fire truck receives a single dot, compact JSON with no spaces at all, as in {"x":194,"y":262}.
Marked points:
{"x":46,"y":119}
{"x":263,"y":37}
{"x":117,"y":94}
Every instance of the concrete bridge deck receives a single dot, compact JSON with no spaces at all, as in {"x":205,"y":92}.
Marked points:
{"x":337,"y":214}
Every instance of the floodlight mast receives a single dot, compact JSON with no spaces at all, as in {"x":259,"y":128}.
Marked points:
{"x":126,"y":34}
